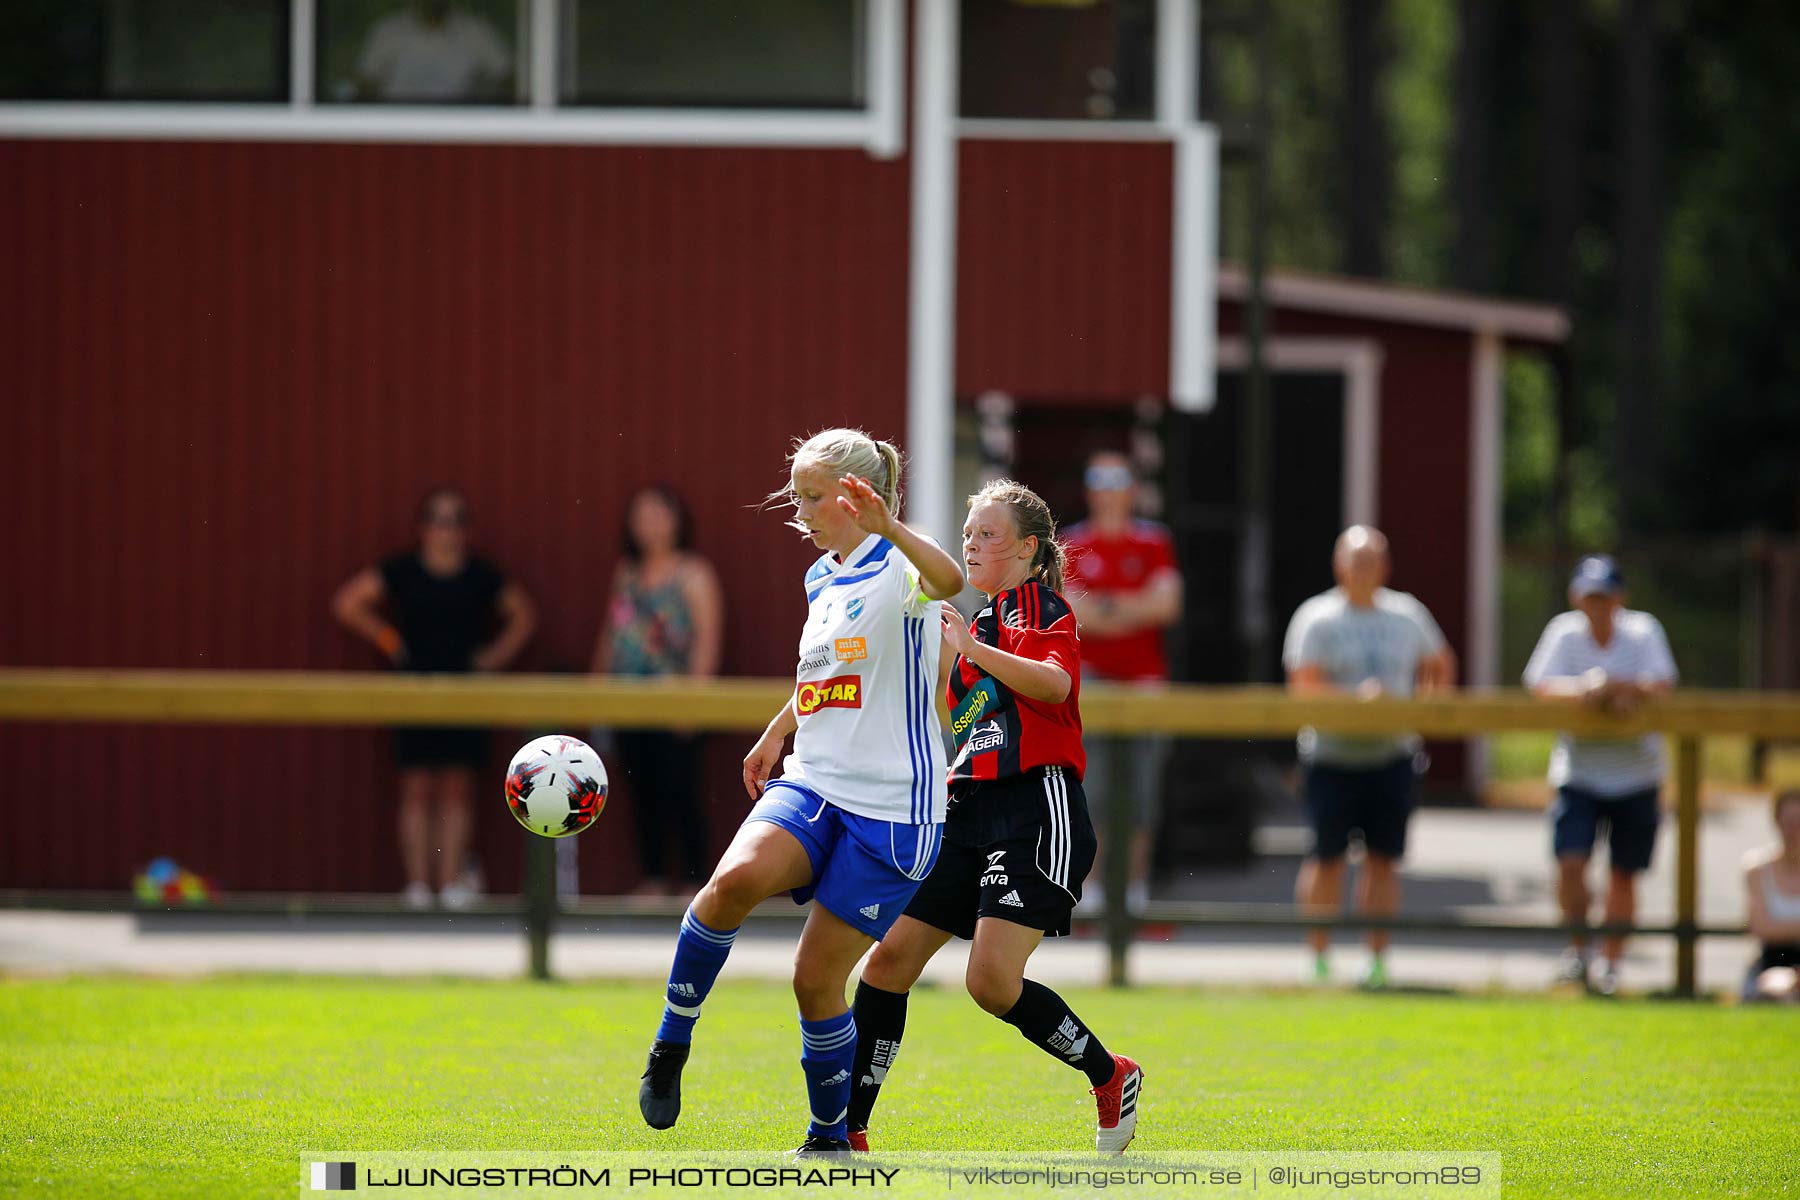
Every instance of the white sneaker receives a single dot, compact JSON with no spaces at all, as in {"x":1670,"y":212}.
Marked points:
{"x":457,"y":895}
{"x":416,"y":896}
{"x":1117,"y":1103}
{"x":1572,"y":967}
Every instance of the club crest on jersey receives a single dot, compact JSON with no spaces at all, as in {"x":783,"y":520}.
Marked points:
{"x":852,"y":649}
{"x":843,"y":692}
{"x":853,"y":608}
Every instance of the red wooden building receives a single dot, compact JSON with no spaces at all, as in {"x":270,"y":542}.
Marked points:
{"x":239,"y":339}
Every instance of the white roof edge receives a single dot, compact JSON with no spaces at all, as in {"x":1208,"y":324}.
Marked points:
{"x":1376,"y":300}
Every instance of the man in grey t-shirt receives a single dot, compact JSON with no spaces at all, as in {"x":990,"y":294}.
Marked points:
{"x":1607,"y":656}
{"x":1361,"y":638}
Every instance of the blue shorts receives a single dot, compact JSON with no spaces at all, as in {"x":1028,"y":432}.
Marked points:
{"x":1375,"y":801}
{"x":865,"y":870}
{"x":1631,"y":822}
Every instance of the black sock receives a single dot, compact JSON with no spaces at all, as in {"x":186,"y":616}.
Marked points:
{"x":880,"y":1020}
{"x":1047,"y":1021}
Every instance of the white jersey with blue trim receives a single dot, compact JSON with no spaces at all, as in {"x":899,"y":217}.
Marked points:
{"x":865,"y":693}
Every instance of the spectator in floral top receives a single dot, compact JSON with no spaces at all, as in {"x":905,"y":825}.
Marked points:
{"x":666,"y":618}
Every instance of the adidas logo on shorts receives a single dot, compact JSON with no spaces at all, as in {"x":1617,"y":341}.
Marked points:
{"x":871,"y":911}
{"x":1011,"y":899}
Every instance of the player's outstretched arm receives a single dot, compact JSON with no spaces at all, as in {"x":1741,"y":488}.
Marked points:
{"x":940,"y":576}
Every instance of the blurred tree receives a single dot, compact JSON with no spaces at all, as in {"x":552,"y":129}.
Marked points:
{"x":1731,"y":260}
{"x":1421,"y":129}
{"x":1631,"y":160}
{"x":1368,"y":165}
{"x":1473,"y":167}
{"x":1639,"y":166}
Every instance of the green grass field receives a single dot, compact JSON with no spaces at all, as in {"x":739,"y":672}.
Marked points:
{"x":120,"y":1087}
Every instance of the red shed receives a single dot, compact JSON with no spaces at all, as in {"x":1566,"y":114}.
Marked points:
{"x":242,"y":332}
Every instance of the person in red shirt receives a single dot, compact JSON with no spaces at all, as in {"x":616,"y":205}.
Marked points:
{"x":1126,"y":589}
{"x":1017,"y":839}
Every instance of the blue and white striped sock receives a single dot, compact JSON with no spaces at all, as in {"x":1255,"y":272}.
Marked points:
{"x":699,"y":953}
{"x":827,"y":1050}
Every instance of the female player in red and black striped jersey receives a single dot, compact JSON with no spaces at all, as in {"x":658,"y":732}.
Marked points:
{"x":1017,"y":840}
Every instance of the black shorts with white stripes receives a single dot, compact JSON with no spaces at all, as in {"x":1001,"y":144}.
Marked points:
{"x":1014,"y":848}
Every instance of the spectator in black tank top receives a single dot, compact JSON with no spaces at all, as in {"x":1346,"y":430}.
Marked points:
{"x":438,"y":609}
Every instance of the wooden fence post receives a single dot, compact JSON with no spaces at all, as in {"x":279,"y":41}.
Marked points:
{"x":1687,"y":862}
{"x":540,"y":900}
{"x":1115,"y":869}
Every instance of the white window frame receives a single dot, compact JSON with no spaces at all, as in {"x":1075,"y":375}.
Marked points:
{"x":1359,"y":361}
{"x":1193,"y":302}
{"x":878,"y":128}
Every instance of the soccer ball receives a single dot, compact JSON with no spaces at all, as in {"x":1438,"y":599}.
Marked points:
{"x":556,"y":786}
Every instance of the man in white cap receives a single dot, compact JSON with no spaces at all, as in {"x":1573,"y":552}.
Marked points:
{"x":1606,"y":656}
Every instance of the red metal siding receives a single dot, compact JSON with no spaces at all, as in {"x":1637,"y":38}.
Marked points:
{"x":231,"y":369}
{"x":1062,"y":283}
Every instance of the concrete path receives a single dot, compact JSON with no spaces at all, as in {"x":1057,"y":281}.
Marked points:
{"x":1480,"y":863}
{"x":56,"y":943}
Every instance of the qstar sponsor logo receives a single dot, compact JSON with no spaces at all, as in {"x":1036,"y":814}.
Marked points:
{"x":843,"y":692}
{"x":852,"y":649}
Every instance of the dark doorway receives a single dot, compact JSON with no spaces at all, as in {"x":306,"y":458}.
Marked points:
{"x":1215,"y":790}
{"x":1307,"y":484}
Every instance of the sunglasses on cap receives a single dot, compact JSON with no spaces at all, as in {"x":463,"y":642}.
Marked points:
{"x":1109,"y":479}
{"x":1596,"y":575}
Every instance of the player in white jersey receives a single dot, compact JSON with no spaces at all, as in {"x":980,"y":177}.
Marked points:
{"x":854,"y":822}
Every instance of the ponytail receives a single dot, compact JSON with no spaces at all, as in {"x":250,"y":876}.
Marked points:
{"x":850,"y":452}
{"x":890,"y":467}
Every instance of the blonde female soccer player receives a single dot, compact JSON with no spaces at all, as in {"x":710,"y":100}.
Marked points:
{"x":854,"y":821}
{"x":1017,"y":841}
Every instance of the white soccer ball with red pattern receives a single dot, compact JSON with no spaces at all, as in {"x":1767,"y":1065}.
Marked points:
{"x":556,"y":786}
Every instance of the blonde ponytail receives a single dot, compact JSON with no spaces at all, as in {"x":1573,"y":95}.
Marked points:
{"x":850,"y":452}
{"x":891,"y":466}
